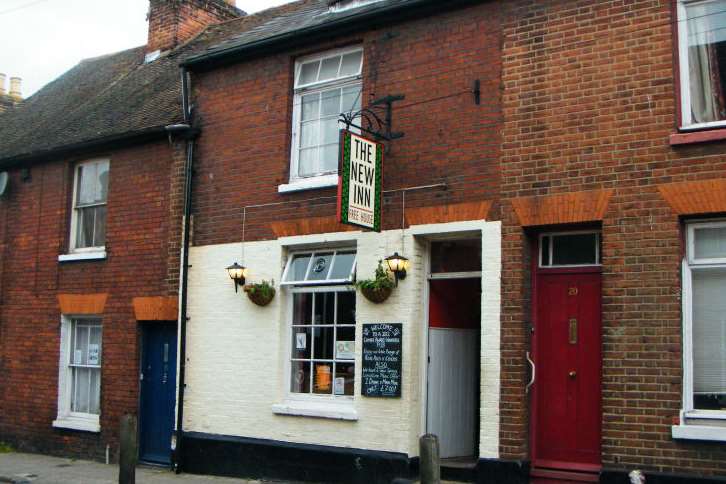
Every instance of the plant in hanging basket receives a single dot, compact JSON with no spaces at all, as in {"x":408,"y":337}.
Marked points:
{"x":379,"y":288}
{"x":261,"y":293}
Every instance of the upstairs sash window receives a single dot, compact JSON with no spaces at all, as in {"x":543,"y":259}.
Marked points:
{"x":88,"y":225}
{"x":326,"y":85}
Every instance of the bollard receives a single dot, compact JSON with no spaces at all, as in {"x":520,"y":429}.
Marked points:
{"x":429,"y":455}
{"x":129,"y":451}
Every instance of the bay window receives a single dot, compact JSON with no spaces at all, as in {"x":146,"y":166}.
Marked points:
{"x":702,"y":53}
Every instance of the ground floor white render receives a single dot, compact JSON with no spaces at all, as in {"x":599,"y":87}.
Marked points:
{"x":238,"y":369}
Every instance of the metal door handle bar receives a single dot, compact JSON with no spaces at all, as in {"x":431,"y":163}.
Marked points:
{"x":531,"y":381}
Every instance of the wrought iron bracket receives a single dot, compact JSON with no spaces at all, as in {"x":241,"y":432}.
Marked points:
{"x":376,"y":119}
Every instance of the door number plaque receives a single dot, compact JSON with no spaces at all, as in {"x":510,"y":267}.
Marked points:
{"x":572,"y":291}
{"x":573,"y":331}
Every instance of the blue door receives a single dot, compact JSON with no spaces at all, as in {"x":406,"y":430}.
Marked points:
{"x":158,"y":385}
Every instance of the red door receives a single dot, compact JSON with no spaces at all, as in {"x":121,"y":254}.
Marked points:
{"x":566,"y":400}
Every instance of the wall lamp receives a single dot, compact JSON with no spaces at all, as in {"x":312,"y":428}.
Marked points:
{"x":397,"y":264}
{"x":238,"y":274}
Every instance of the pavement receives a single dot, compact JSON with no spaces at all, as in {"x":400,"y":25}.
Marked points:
{"x":20,"y":468}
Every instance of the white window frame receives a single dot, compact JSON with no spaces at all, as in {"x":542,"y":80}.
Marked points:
{"x":337,"y":407}
{"x":326,"y":179}
{"x":325,"y":282}
{"x":685,"y":90}
{"x":66,"y":418}
{"x":551,"y":235}
{"x":690,"y":263}
{"x":83,"y":253}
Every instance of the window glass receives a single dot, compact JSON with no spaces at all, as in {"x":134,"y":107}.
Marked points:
{"x":351,"y":64}
{"x":309,"y":72}
{"x":323,"y":352}
{"x":320,"y":268}
{"x":574,"y":249}
{"x":456,"y":256}
{"x":85,"y":365}
{"x":90,"y":204}
{"x":577,"y":249}
{"x":709,"y":338}
{"x":710,"y":243}
{"x":706,"y":50}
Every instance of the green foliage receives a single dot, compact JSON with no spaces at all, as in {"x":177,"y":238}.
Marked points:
{"x":6,"y":448}
{"x":381,"y":280}
{"x":265,"y":289}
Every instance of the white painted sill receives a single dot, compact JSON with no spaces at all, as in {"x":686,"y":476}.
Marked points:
{"x":95,"y":255}
{"x":332,"y":410}
{"x":325,"y":181}
{"x":86,"y":424}
{"x":699,"y":432}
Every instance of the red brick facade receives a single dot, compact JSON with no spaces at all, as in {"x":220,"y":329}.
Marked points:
{"x":142,"y":236}
{"x":576,"y":97}
{"x":246,"y":109}
{"x":589,"y":103}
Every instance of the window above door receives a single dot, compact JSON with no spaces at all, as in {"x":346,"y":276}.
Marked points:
{"x":569,"y":249}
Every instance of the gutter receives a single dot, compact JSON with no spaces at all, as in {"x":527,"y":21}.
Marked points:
{"x":347,"y":24}
{"x":178,"y":442}
{"x":114,"y":141}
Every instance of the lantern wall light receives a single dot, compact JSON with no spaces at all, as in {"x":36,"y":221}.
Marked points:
{"x":397,"y":264}
{"x":238,"y":274}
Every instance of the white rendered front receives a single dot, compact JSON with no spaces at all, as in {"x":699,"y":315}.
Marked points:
{"x":238,"y":368}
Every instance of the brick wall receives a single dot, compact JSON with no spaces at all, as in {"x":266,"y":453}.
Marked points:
{"x":173,"y":22}
{"x":589,"y":102}
{"x":245,"y":112}
{"x":34,"y":232}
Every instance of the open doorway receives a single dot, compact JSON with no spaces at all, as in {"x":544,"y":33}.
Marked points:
{"x":454,"y":322}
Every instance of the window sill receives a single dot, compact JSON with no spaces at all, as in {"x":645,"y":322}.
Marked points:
{"x":699,"y":432}
{"x":325,"y":181}
{"x":335,"y":411}
{"x":96,"y":255}
{"x":706,"y":136}
{"x":86,"y":424}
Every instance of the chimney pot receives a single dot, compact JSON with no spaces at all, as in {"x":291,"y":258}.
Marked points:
{"x":2,"y":84}
{"x":15,"y":83}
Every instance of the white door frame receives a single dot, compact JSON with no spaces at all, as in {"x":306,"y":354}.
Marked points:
{"x":424,"y":349}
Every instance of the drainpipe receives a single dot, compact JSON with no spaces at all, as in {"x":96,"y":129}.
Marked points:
{"x":184,"y":274}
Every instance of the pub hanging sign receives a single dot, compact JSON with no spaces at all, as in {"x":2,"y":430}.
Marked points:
{"x":360,"y":184}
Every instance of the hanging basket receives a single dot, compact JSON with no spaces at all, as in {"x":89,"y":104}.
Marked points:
{"x":260,"y":297}
{"x":377,"y":295}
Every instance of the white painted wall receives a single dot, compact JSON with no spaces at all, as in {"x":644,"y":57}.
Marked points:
{"x":236,"y":352}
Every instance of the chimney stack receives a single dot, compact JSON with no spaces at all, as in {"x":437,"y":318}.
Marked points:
{"x":2,"y":84}
{"x":15,"y":83}
{"x":173,"y":22}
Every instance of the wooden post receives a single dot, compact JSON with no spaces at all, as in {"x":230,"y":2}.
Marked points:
{"x":429,"y":455}
{"x":129,"y":451}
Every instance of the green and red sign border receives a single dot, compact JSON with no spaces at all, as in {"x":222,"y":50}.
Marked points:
{"x":344,"y":181}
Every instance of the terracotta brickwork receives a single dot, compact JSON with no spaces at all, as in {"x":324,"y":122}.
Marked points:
{"x":173,"y":22}
{"x":589,"y":104}
{"x":245,"y":112}
{"x":37,"y":289}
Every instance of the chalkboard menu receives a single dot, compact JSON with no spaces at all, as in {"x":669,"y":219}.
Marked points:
{"x":382,"y":360}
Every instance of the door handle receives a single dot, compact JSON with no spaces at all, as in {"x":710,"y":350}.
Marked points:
{"x":531,"y":381}
{"x":573,"y":374}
